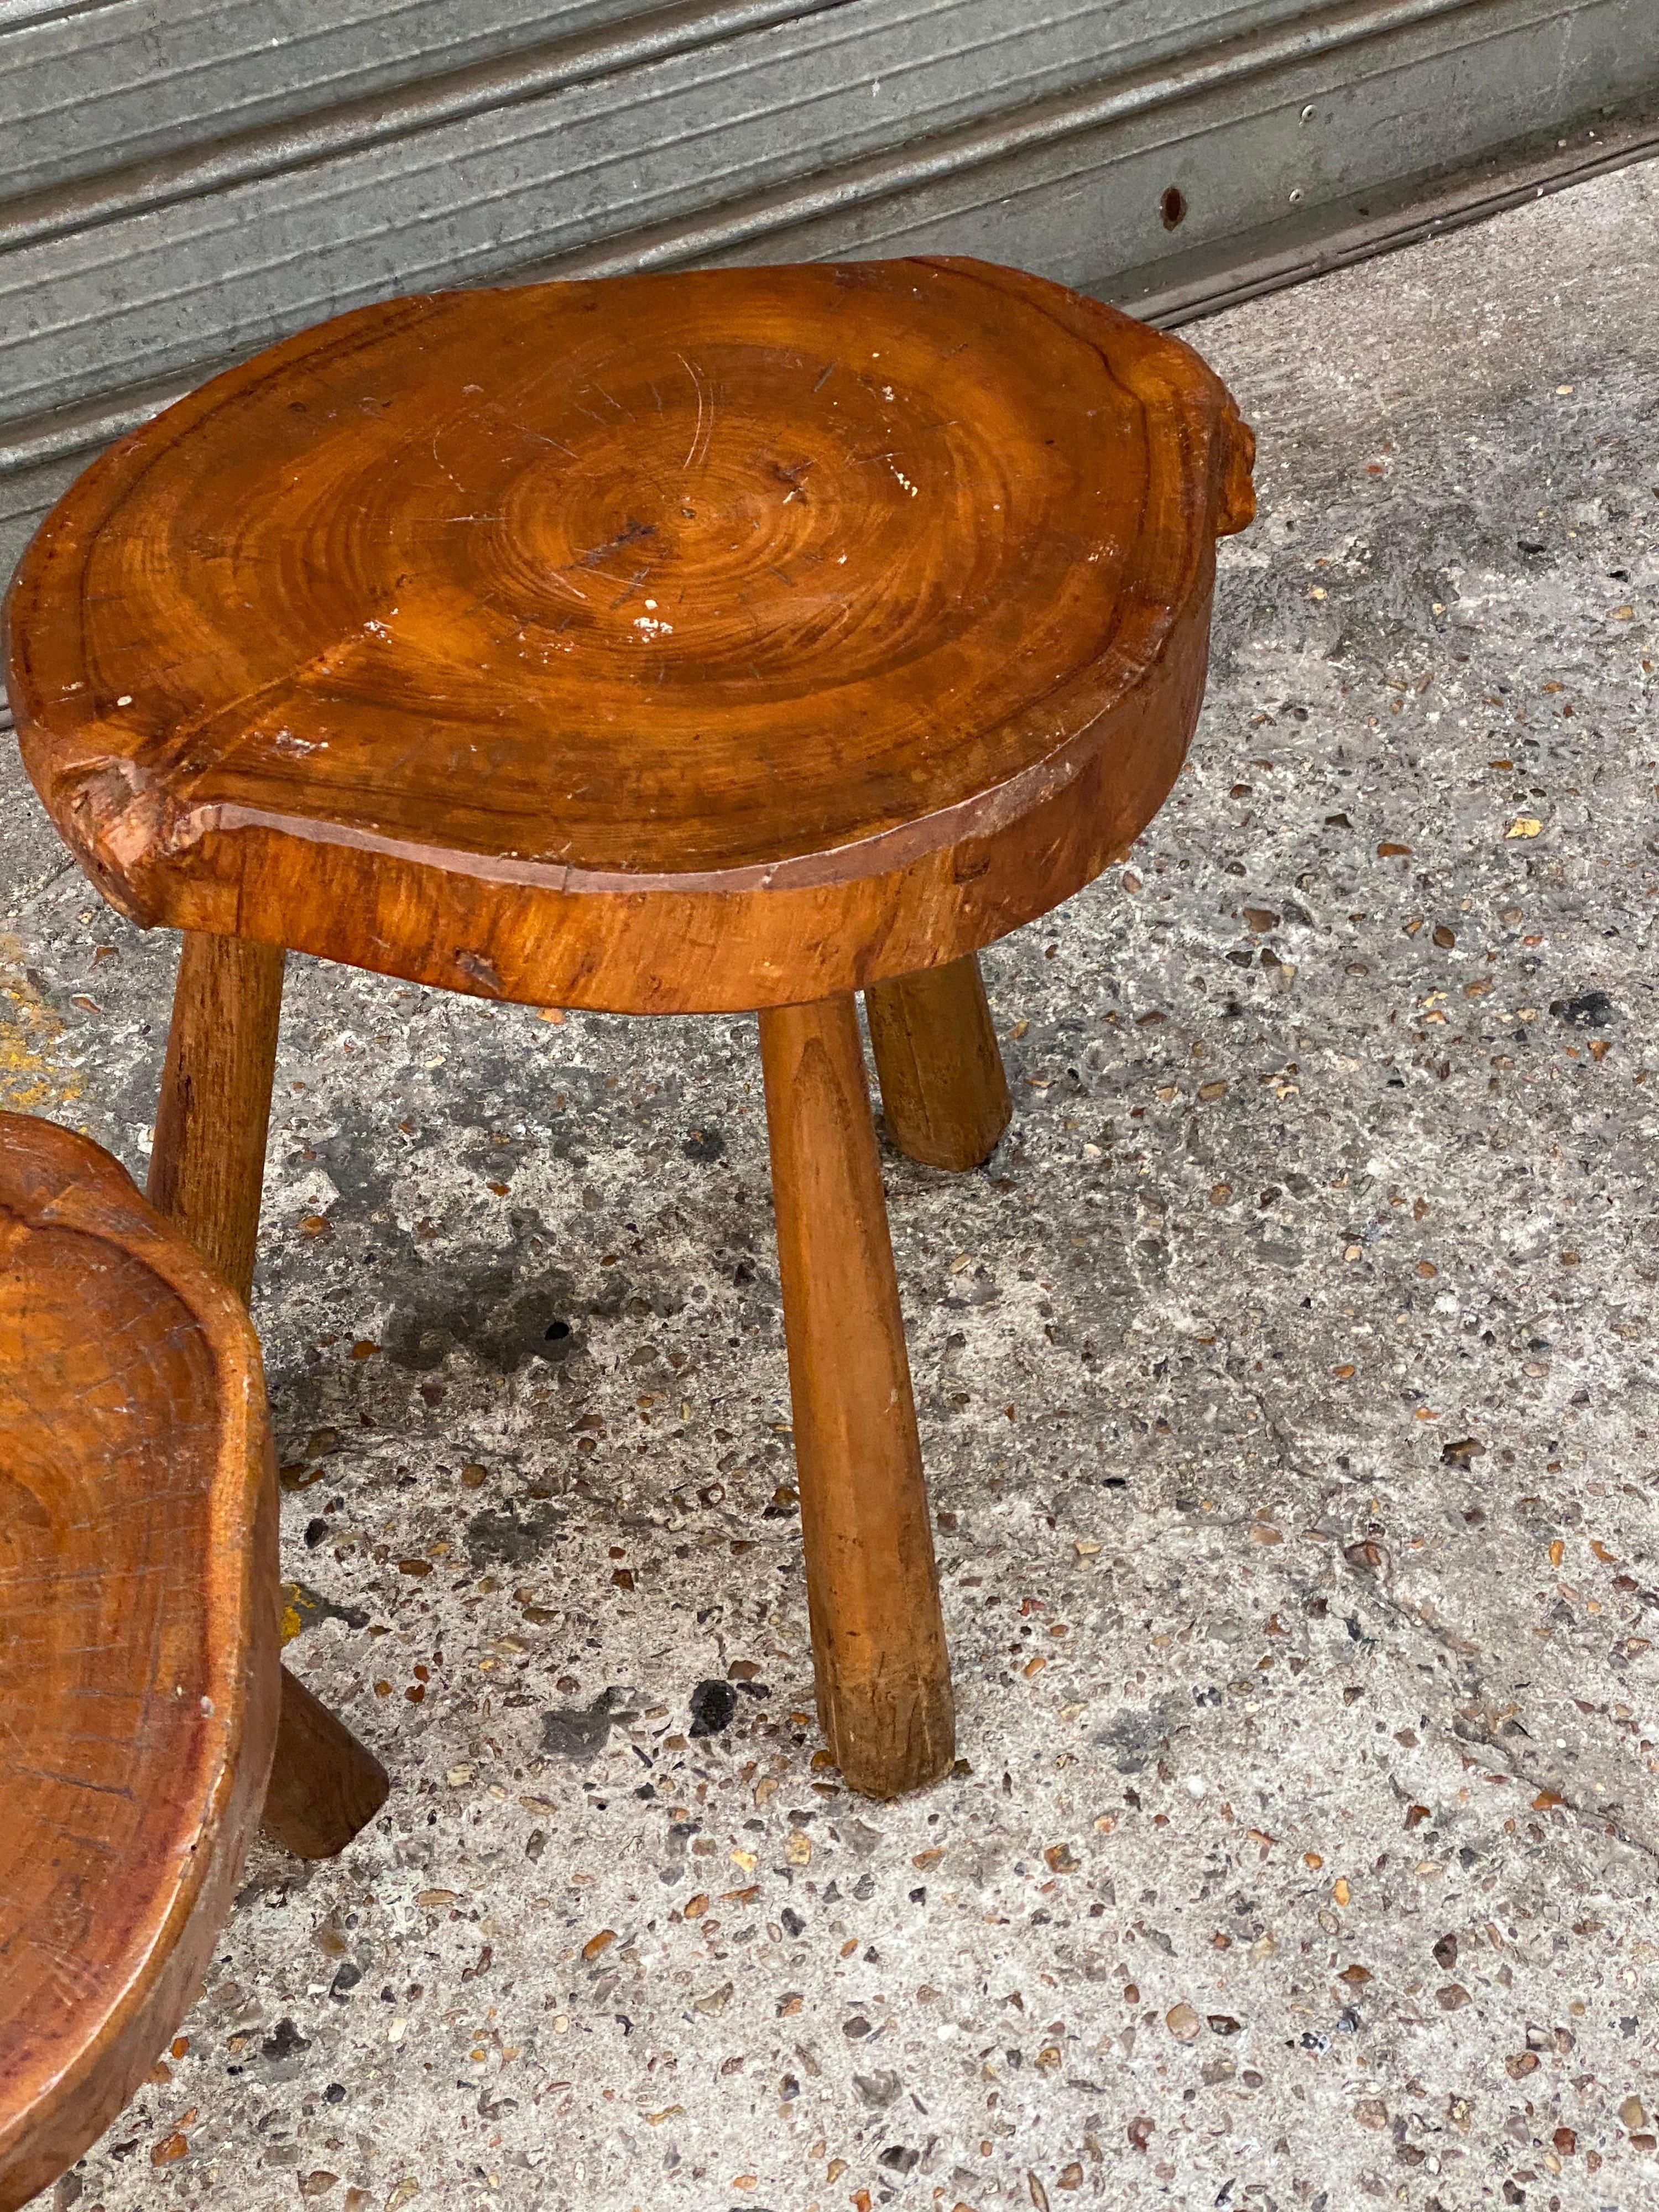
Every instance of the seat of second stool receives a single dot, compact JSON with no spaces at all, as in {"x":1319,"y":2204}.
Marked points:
{"x":697,"y":641}
{"x":138,"y":1666}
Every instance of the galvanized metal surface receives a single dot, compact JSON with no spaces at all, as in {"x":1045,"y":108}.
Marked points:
{"x":180,"y":185}
{"x":89,"y":88}
{"x":114,"y":186}
{"x":480,"y":196}
{"x":1258,"y":145}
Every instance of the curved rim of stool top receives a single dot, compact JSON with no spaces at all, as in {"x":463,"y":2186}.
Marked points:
{"x":138,"y":1670}
{"x":269,"y":683}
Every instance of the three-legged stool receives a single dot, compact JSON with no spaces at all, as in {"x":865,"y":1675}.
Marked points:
{"x":678,"y":643}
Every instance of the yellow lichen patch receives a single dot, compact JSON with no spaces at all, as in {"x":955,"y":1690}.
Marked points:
{"x":29,"y":1030}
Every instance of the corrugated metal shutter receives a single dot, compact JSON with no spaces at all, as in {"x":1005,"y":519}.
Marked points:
{"x":181,"y":182}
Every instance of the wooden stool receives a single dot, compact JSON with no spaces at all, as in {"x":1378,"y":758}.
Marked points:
{"x":138,"y":1672}
{"x":740,"y":640}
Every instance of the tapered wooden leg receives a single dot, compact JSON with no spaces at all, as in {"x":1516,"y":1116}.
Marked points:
{"x":943,"y":1089}
{"x":324,"y":1785}
{"x":206,"y":1171}
{"x":209,"y":1161}
{"x":884,"y":1675}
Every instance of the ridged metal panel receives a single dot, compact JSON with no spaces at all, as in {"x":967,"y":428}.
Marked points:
{"x":185,"y":182}
{"x":133,"y":174}
{"x":1256,"y":154}
{"x":461,"y":201}
{"x":107,"y":85}
{"x":92,"y":88}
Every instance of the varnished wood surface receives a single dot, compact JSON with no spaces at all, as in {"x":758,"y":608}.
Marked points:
{"x":206,"y":1176}
{"x":207,"y":1165}
{"x":324,"y":1785}
{"x":687,"y":641}
{"x":138,"y":1667}
{"x":883,"y":1674}
{"x":944,"y":1093}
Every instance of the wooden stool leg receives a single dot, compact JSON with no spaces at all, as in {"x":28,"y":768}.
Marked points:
{"x":206,"y":1172}
{"x":209,"y":1161}
{"x":942,"y":1090}
{"x":324,"y":1785}
{"x":884,"y":1675}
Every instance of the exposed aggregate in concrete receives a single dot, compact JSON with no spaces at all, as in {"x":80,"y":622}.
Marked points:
{"x":1287,"y":1390}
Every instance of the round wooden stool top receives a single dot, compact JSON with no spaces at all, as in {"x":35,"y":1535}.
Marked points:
{"x":696,"y":641}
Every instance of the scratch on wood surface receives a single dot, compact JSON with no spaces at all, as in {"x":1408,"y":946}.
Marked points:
{"x":697,"y":452}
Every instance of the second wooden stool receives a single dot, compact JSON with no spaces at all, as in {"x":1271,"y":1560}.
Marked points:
{"x":148,"y":1727}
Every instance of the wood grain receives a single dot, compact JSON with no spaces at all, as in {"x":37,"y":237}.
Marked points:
{"x":138,"y":1669}
{"x":207,"y":1165}
{"x":206,"y":1176}
{"x":701,"y":639}
{"x":943,"y":1094}
{"x":884,"y":1676}
{"x":324,"y":1785}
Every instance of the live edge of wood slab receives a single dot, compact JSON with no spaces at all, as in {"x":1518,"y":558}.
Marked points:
{"x":685,"y":641}
{"x":138,"y":1665}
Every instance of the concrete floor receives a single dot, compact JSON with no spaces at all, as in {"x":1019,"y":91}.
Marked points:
{"x":1286,"y":1383}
